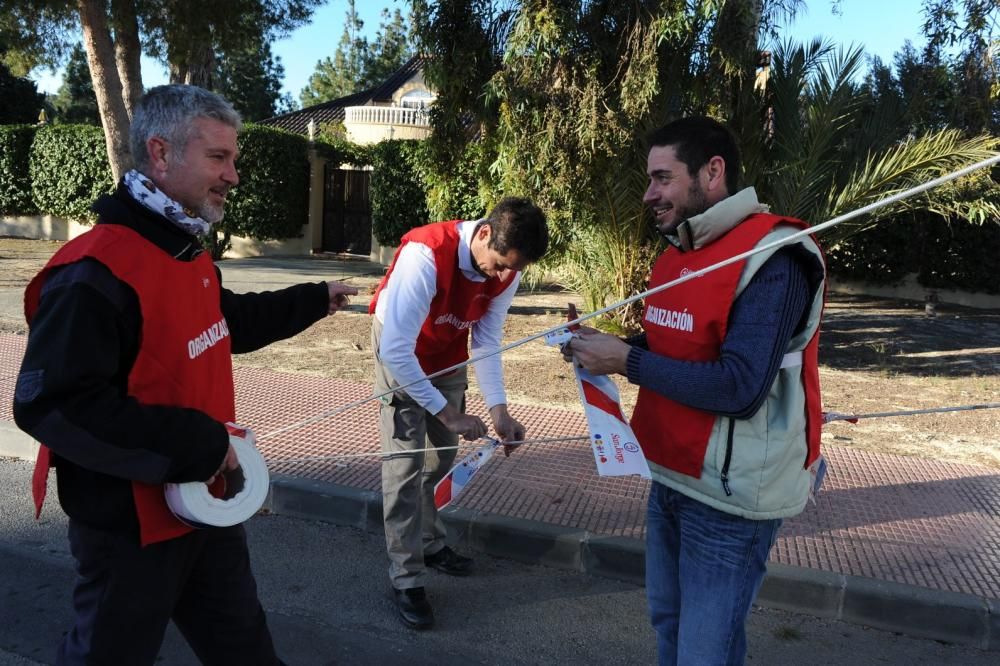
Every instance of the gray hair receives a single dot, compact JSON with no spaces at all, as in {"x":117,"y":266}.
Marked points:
{"x":169,"y":111}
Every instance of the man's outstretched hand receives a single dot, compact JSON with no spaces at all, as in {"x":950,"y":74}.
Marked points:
{"x":340,"y":294}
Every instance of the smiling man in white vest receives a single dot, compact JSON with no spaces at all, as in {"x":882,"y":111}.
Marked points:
{"x":728,"y":413}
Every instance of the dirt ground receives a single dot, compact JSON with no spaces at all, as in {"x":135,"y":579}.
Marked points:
{"x":877,"y":355}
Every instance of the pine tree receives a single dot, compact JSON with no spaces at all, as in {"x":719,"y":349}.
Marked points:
{"x":357,"y":64}
{"x":250,"y":78}
{"x":75,"y":102}
{"x":340,"y":75}
{"x":21,"y":100}
{"x":389,"y":51}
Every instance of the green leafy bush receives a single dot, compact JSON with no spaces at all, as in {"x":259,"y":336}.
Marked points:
{"x":333,"y":145}
{"x":943,"y":254}
{"x":398,"y":199}
{"x":455,"y":195}
{"x":272,"y":200}
{"x":69,"y":169}
{"x":15,"y":184}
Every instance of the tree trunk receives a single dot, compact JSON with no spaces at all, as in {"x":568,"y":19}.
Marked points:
{"x":178,"y":72}
{"x":201,"y":67}
{"x":219,"y":240}
{"x":107,"y":85}
{"x":127,"y":52}
{"x":191,"y":59}
{"x":197,"y":68}
{"x":176,"y":63}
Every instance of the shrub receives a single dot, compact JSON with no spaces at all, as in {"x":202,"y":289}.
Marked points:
{"x":333,"y":145}
{"x":398,"y":200}
{"x":69,"y":169}
{"x":15,"y":184}
{"x":953,"y":254}
{"x":962,"y":256}
{"x":454,"y":195}
{"x":272,"y":200}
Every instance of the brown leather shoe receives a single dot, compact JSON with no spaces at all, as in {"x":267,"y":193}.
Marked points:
{"x":448,"y":561}
{"x":414,"y":609}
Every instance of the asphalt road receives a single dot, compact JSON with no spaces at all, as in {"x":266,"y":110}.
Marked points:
{"x":327,"y":595}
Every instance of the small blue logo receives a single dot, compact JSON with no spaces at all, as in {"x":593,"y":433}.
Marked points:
{"x":29,"y":385}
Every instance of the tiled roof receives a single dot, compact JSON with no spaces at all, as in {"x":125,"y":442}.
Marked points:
{"x":333,"y":111}
{"x":383,"y":92}
{"x":327,"y":112}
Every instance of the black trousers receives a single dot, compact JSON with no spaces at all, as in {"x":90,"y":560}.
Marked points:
{"x":125,"y":595}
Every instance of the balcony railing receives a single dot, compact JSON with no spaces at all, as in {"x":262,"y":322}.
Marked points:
{"x":386,"y":115}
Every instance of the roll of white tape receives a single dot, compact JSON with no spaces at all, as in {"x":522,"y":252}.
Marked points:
{"x":241,"y":494}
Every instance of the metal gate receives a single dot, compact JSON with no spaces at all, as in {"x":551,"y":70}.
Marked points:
{"x":347,"y":212}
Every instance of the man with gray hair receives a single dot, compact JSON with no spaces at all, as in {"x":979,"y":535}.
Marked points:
{"x":123,"y":403}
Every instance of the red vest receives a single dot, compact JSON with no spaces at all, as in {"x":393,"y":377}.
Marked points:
{"x":458,"y":304}
{"x":184,"y":354}
{"x":688,"y":322}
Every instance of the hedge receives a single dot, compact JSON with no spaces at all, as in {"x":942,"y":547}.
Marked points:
{"x":15,"y":183}
{"x":398,"y":200}
{"x":455,"y":195}
{"x":943,"y":254}
{"x":66,"y":169}
{"x":964,"y":257}
{"x":333,"y":145}
{"x":69,"y":170}
{"x":272,"y":200}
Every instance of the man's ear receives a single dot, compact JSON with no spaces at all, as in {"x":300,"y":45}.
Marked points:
{"x":157,"y":149}
{"x":715,"y":175}
{"x":483,"y":234}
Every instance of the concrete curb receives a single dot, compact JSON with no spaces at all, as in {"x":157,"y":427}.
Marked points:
{"x":14,"y":443}
{"x":914,"y":611}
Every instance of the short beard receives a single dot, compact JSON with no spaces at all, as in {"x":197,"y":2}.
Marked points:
{"x":211,"y":214}
{"x":204,"y":210}
{"x":696,"y":205}
{"x":697,"y":202}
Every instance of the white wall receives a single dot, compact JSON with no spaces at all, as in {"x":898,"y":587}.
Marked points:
{"x":44,"y":227}
{"x":248,"y":247}
{"x":911,"y":290}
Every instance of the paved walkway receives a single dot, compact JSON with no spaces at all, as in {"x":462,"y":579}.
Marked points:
{"x":901,"y":543}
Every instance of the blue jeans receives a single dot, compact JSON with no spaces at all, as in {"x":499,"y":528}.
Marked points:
{"x":703,"y":570}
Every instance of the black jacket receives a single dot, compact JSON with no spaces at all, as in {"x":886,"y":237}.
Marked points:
{"x":71,"y":392}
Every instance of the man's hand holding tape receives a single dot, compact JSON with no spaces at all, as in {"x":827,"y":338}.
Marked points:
{"x":596,"y":352}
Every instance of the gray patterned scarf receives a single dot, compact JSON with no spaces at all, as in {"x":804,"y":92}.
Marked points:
{"x":145,"y":192}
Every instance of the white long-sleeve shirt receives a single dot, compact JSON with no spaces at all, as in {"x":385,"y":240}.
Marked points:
{"x":404,"y":304}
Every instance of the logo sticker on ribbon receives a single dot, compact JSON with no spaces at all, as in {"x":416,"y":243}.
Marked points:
{"x":454,"y":482}
{"x":616,"y":449}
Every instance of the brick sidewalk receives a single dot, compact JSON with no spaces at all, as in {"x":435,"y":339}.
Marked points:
{"x":917,"y":522}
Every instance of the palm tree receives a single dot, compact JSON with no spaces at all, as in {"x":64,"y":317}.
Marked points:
{"x":610,"y":259}
{"x":564,"y":92}
{"x":827,"y":150}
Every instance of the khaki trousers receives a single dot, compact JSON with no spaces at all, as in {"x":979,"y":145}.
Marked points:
{"x":413,"y":527}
